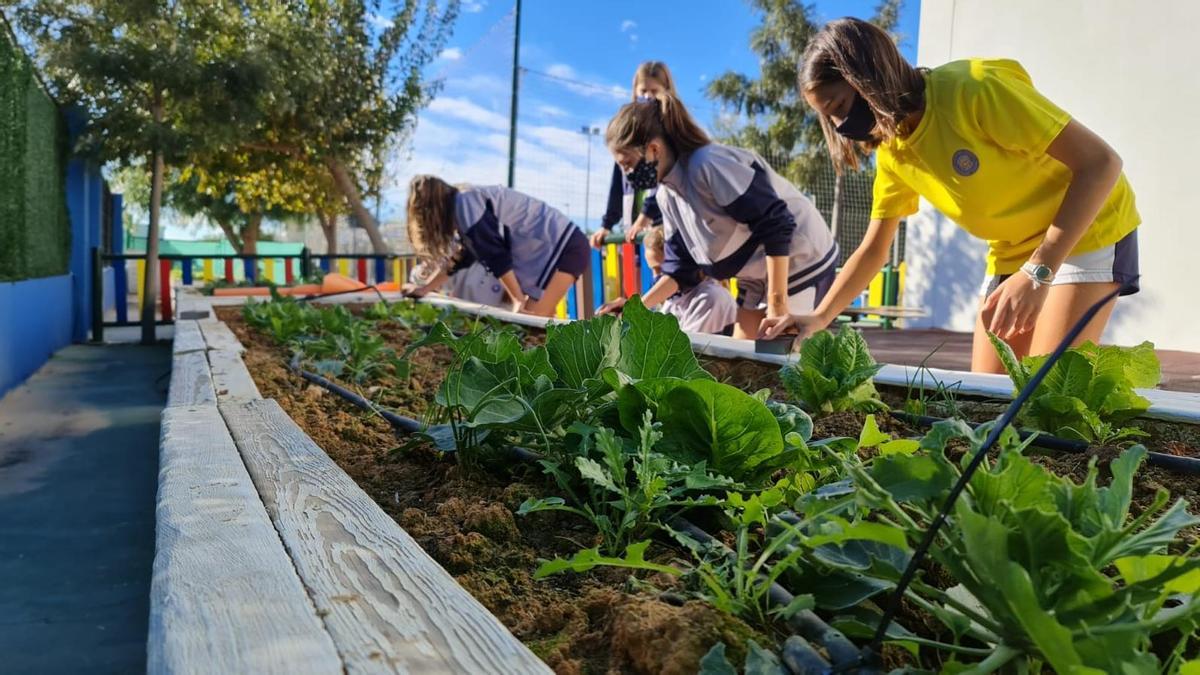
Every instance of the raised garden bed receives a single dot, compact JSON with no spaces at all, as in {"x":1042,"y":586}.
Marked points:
{"x":607,"y":619}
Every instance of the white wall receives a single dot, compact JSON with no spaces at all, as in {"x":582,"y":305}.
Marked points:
{"x":1128,"y":71}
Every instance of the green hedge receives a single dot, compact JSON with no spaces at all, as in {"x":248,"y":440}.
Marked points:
{"x":35,"y":231}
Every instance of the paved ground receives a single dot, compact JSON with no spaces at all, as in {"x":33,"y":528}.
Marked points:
{"x":1181,"y":370}
{"x":78,"y":466}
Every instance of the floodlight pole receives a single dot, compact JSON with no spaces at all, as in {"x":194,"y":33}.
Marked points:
{"x":516,"y":82}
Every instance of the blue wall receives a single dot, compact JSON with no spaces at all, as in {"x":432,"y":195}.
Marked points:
{"x":35,"y":322}
{"x":85,"y":196}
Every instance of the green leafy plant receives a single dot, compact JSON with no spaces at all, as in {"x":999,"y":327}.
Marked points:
{"x":1045,"y":570}
{"x":759,"y":661}
{"x":1089,"y":393}
{"x":834,"y":374}
{"x":626,"y":495}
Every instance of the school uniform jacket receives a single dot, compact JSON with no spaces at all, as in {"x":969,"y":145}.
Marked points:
{"x":620,"y":203}
{"x":725,"y":210}
{"x":510,"y":231}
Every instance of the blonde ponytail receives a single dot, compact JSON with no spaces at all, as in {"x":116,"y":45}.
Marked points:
{"x":636,"y":124}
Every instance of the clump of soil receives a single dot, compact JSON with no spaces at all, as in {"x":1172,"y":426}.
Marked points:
{"x":465,"y":520}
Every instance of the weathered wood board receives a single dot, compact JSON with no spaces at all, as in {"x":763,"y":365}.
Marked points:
{"x":388,"y":605}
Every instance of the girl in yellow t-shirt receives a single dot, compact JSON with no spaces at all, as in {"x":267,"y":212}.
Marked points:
{"x":976,"y":140}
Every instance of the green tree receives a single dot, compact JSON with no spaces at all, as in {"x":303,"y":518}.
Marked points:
{"x":772,"y":116}
{"x":156,"y":79}
{"x":348,"y":82}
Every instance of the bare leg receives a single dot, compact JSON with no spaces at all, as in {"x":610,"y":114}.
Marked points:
{"x":746,"y":327}
{"x":1064,"y":306}
{"x":559,"y":284}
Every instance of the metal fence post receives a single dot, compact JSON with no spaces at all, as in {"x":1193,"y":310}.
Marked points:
{"x":305,"y":263}
{"x":97,"y":296}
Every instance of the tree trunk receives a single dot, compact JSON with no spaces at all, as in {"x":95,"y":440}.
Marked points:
{"x":250,"y":234}
{"x":329,"y":227}
{"x":345,"y":185}
{"x":231,"y":234}
{"x":150,"y":282}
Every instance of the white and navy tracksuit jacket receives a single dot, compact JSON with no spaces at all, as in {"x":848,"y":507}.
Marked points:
{"x":725,"y":210}
{"x":507,"y":230}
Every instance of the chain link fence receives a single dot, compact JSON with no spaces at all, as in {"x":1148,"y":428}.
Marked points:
{"x":852,"y":214}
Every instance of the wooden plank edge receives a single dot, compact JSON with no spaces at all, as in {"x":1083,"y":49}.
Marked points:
{"x":231,"y":379}
{"x":387,"y":604}
{"x":191,"y":381}
{"x":225,"y":596}
{"x":187,"y":338}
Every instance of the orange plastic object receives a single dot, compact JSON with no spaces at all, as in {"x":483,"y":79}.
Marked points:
{"x":305,"y":289}
{"x":337,"y":283}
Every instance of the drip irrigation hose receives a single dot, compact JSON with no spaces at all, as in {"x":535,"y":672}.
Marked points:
{"x":399,"y":422}
{"x":1177,"y":464}
{"x":318,"y":296}
{"x":806,"y":622}
{"x":872,"y":653}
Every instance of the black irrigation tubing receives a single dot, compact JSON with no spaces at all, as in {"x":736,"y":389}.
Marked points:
{"x":798,"y":653}
{"x":399,"y":422}
{"x":1173,"y":463}
{"x":318,"y":296}
{"x":873,"y":652}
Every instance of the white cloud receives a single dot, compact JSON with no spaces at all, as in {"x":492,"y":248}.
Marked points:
{"x":561,"y":70}
{"x":451,"y":54}
{"x":473,"y":6}
{"x":704,"y":77}
{"x":628,"y":24}
{"x":379,"y":21}
{"x":551,"y":111}
{"x":466,"y":111}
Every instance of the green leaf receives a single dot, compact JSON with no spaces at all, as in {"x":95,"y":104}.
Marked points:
{"x":654,"y":346}
{"x":581,"y":350}
{"x":791,"y":420}
{"x":587,"y":559}
{"x":715,"y":662}
{"x":871,"y":436}
{"x":709,"y":421}
{"x":913,"y":478}
{"x":633,"y":400}
{"x":1016,"y":371}
{"x":591,"y":470}
{"x":798,"y":604}
{"x":1135,"y":569}
{"x":759,"y":661}
{"x":900,"y":446}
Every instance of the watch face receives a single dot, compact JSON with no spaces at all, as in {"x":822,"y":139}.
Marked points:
{"x":1043,"y":272}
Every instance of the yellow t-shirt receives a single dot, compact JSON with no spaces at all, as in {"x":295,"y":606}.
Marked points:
{"x":979,"y":156}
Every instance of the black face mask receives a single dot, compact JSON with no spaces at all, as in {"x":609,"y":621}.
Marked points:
{"x":859,"y":122}
{"x":644,"y":175}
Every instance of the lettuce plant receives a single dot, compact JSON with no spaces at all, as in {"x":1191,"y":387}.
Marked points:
{"x":834,"y":374}
{"x":1089,"y":393}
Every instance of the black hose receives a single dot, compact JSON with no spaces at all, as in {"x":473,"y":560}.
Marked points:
{"x":1187,"y":465}
{"x":399,"y":422}
{"x":805,"y":622}
{"x":872,"y":653}
{"x":318,"y":296}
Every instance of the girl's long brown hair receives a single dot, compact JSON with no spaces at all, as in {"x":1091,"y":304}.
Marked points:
{"x":653,"y":70}
{"x":636,"y":124}
{"x":864,"y":56}
{"x":431,"y":217}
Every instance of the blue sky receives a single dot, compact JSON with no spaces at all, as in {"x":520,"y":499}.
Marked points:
{"x":462,"y":136}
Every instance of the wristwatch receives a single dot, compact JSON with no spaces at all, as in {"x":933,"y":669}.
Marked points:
{"x":1038,"y":274}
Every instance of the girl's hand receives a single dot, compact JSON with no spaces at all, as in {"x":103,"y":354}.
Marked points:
{"x":611,"y":307}
{"x":803,"y":324}
{"x":634,"y":230}
{"x":518,"y":306}
{"x":1013,"y":308}
{"x":413,"y":291}
{"x":597,"y":238}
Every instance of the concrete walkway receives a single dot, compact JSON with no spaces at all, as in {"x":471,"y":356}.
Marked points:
{"x":78,"y":466}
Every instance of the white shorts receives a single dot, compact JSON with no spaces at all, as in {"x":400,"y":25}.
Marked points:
{"x":1116,"y":263}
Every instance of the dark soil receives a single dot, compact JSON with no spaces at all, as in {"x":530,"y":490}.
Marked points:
{"x":465,"y":520}
{"x":598,"y":622}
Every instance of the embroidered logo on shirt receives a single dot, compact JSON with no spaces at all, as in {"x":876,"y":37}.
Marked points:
{"x":965,"y":162}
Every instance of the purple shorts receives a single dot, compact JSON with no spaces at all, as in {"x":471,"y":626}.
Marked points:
{"x":1117,"y":263}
